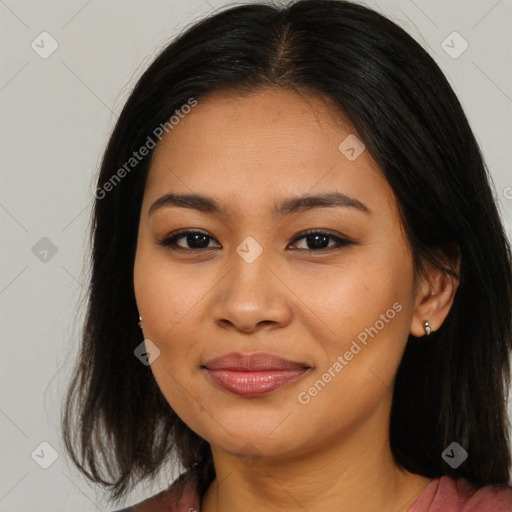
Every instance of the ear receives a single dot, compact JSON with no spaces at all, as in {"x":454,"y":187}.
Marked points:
{"x":435,"y":295}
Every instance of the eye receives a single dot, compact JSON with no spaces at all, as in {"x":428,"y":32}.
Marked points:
{"x":195,"y":241}
{"x":317,"y":241}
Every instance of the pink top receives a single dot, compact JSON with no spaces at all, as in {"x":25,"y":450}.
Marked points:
{"x":446,"y":494}
{"x":442,"y":494}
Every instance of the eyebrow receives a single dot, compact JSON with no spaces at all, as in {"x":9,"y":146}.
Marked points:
{"x":288,"y":206}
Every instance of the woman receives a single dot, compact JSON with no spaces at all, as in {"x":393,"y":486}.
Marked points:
{"x":301,"y":288}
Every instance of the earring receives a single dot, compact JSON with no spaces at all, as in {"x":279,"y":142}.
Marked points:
{"x":140,"y":322}
{"x":428,"y":329}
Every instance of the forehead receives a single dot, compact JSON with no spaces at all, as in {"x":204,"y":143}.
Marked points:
{"x":256,"y":146}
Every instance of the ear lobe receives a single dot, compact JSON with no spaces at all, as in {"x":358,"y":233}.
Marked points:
{"x":434,"y":298}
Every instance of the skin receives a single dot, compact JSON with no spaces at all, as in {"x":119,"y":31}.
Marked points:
{"x":273,"y":452}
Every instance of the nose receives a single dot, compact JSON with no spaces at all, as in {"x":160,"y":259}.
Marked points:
{"x":252,"y":296}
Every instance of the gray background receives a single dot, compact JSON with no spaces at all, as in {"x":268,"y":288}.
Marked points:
{"x":57,"y":113}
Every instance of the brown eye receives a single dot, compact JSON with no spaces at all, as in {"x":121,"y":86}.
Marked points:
{"x":317,"y":241}
{"x":193,"y":240}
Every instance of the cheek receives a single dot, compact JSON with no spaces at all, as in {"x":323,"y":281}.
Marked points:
{"x":178,"y":386}
{"x":352,"y":296}
{"x":168,"y":299}
{"x":362,"y":355}
{"x":167,"y":294}
{"x":368,"y":311}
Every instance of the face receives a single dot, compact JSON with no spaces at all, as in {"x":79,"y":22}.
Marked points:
{"x":325,"y":283}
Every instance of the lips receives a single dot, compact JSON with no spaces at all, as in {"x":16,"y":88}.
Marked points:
{"x":259,"y":361}
{"x":253,"y":375}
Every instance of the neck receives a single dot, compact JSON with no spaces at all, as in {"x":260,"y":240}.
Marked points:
{"x":355,"y":473}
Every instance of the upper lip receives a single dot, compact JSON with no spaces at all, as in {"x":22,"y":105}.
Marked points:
{"x":258,"y":361}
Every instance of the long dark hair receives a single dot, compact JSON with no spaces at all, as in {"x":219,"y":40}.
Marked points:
{"x":450,"y":387}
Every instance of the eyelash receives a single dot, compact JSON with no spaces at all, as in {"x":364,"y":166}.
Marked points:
{"x":170,"y":241}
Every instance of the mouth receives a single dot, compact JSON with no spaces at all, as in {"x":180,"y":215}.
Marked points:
{"x":253,"y":375}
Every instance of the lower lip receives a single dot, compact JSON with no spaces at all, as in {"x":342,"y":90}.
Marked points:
{"x":254,"y":383}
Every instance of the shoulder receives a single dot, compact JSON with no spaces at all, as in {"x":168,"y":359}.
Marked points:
{"x":497,"y":498}
{"x":459,"y":495}
{"x":168,"y":499}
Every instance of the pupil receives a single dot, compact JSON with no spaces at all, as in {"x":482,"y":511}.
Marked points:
{"x":197,"y":237}
{"x":316,"y":239}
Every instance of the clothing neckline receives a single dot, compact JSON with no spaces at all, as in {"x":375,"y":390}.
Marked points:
{"x":426,"y":496}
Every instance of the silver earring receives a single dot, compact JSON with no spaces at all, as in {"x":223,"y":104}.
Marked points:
{"x":428,"y":329}
{"x":140,"y":322}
